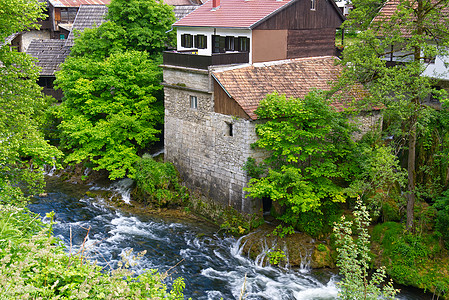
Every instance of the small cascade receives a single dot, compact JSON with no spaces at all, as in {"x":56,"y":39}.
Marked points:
{"x":49,"y":171}
{"x":157,"y":153}
{"x":306,"y":258}
{"x":122,"y":187}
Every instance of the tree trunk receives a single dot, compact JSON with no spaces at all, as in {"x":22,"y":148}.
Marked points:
{"x":411,"y":175}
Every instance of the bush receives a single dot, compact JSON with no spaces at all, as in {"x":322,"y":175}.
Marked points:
{"x":158,"y":183}
{"x":442,"y":219}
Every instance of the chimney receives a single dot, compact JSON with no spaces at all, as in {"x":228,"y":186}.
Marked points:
{"x":215,"y":4}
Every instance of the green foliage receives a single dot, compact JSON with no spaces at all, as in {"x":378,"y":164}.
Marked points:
{"x":282,"y":231}
{"x":276,"y":257}
{"x":113,"y":105}
{"x":238,"y":224}
{"x":23,"y":149}
{"x":380,"y":177}
{"x":159,"y":183}
{"x":413,"y":259}
{"x":309,"y":145}
{"x":321,"y":248}
{"x":33,"y":265}
{"x":111,"y":109}
{"x":416,"y":32}
{"x":19,"y":15}
{"x":442,"y":219}
{"x":353,"y":260}
{"x":145,"y":23}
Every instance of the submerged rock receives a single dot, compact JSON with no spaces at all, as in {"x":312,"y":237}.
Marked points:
{"x":300,"y":249}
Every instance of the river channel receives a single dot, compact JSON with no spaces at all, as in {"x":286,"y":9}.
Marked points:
{"x":210,"y":262}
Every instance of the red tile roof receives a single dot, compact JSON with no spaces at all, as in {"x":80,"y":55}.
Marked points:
{"x":233,"y":13}
{"x":390,"y":7}
{"x":294,"y":78}
{"x":77,"y":3}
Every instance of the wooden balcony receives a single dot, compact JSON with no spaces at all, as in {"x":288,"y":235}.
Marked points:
{"x":190,"y":60}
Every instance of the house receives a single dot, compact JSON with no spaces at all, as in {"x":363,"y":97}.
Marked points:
{"x":230,"y":54}
{"x":50,"y":53}
{"x":62,"y":14}
{"x":437,"y":66}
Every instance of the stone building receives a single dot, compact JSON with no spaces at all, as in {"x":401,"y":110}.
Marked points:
{"x":230,"y":54}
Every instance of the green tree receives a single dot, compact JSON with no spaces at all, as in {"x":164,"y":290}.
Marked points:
{"x":147,"y":23}
{"x":23,"y":149}
{"x":415,"y":32}
{"x":112,"y":109}
{"x":309,"y":150}
{"x":354,"y":257}
{"x":113,"y":106}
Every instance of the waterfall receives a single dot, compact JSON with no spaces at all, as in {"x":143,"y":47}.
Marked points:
{"x":122,"y":187}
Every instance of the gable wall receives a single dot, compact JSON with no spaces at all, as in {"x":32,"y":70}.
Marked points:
{"x":300,"y":16}
{"x":225,"y":105}
{"x":262,"y":45}
{"x":311,"y":42}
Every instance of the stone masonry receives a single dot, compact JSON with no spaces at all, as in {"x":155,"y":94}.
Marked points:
{"x":199,"y":142}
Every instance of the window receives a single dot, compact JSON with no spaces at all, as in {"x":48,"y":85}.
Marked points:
{"x":230,"y":129}
{"x":312,"y":4}
{"x":194,"y":102}
{"x":243,"y":44}
{"x":229,"y":43}
{"x":187,"y":40}
{"x":62,"y":37}
{"x":218,"y":44}
{"x":201,"y":41}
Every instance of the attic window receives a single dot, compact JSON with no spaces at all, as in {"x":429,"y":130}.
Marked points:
{"x":187,"y":40}
{"x":312,"y":4}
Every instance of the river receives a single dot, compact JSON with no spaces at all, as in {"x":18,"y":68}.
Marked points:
{"x":210,"y":263}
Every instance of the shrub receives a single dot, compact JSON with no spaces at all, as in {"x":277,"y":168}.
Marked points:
{"x":158,"y":183}
{"x":442,"y":219}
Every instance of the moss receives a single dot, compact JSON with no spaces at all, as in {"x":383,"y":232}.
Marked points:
{"x":412,"y":259}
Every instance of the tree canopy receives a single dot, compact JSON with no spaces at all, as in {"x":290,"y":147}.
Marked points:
{"x":23,"y":149}
{"x":390,"y":57}
{"x":113,"y":106}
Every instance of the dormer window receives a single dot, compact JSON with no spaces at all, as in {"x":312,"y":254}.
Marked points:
{"x":187,"y":40}
{"x":312,"y":4}
{"x":201,"y":41}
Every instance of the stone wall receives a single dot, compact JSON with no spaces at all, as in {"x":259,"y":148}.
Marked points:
{"x":28,"y":36}
{"x":208,"y":149}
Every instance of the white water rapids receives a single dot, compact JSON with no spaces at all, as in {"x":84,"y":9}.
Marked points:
{"x":211,"y":264}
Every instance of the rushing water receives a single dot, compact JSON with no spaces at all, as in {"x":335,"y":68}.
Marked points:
{"x":210,"y":263}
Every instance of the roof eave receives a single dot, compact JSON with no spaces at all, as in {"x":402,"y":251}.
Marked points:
{"x":273,"y":13}
{"x":200,"y":26}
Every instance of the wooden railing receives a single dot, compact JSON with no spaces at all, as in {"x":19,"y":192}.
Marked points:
{"x":190,"y":60}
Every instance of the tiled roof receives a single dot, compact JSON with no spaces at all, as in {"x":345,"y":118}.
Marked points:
{"x":390,"y":7}
{"x":183,"y":10}
{"x":181,"y":2}
{"x":233,"y":13}
{"x":77,"y":3}
{"x":295,"y":78}
{"x":88,"y":16}
{"x":49,"y":53}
